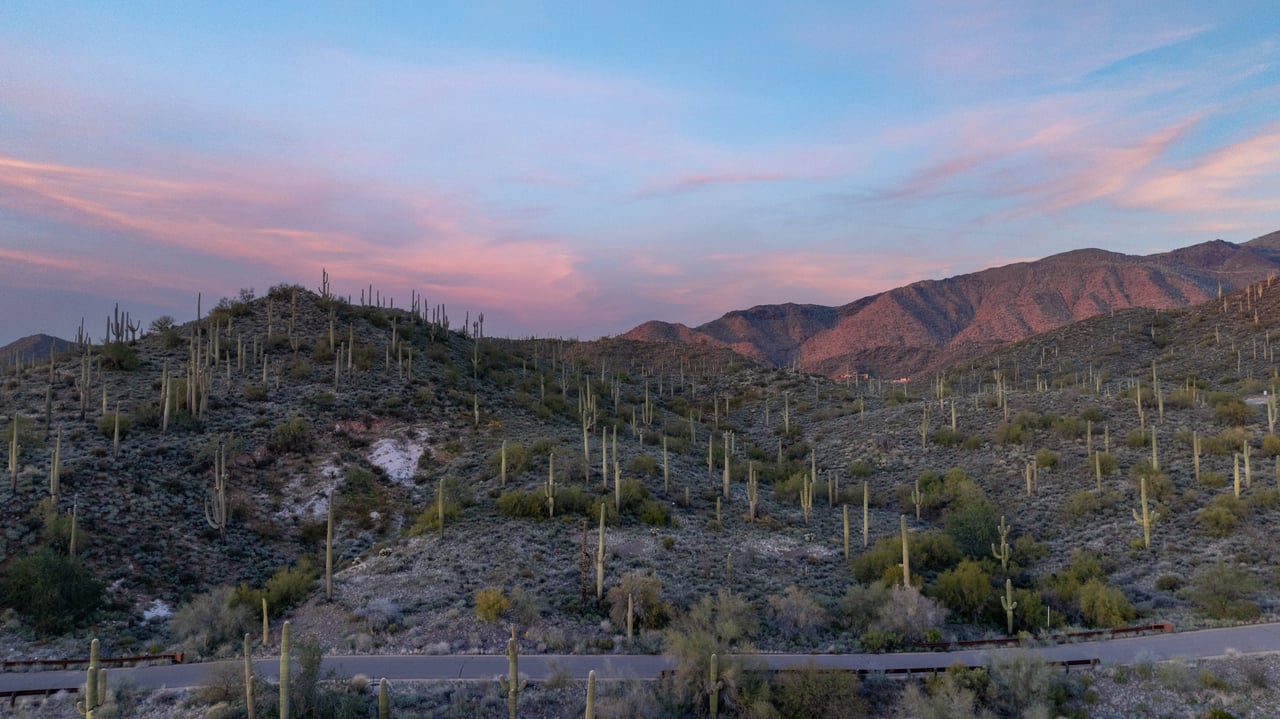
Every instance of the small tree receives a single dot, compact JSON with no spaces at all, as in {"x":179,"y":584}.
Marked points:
{"x":51,"y":591}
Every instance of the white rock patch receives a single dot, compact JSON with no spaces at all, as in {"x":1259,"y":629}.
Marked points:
{"x":398,"y":457}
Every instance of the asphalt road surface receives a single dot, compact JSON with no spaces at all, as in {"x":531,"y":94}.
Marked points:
{"x":1253,"y":639}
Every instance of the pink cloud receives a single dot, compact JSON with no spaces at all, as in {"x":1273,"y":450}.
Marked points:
{"x":263,"y":222}
{"x":692,"y":182}
{"x":1224,"y":180}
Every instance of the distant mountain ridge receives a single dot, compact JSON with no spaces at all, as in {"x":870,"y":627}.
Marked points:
{"x":32,"y":348}
{"x":927,"y":325}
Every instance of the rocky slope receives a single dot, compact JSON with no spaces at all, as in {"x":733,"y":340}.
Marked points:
{"x":927,"y":325}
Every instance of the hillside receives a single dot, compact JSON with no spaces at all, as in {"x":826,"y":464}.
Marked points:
{"x":34,"y":348}
{"x":928,"y":325}
{"x":723,"y":483}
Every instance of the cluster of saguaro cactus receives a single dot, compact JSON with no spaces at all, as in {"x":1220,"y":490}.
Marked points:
{"x":215,"y":504}
{"x":512,"y":684}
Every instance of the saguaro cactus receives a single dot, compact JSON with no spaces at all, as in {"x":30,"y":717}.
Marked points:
{"x":328,"y":551}
{"x":92,"y":699}
{"x":384,"y":700}
{"x":248,"y":679}
{"x":284,"y":671}
{"x":1002,"y":553}
{"x":600,"y":558}
{"x":512,"y":684}
{"x":906,"y":552}
{"x":591,"y":695}
{"x":1147,"y":516}
{"x":713,"y":687}
{"x":1007,"y":602}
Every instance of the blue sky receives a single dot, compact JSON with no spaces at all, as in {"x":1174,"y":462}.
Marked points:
{"x":574,"y":169}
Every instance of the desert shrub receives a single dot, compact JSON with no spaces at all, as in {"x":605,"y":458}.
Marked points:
{"x":517,"y":461}
{"x":946,"y":437}
{"x":1065,"y":585}
{"x":299,"y":370}
{"x":972,"y":524}
{"x":212,"y":622}
{"x":519,"y":503}
{"x":50,"y":591}
{"x":1104,"y":606}
{"x":654,"y":513}
{"x":491,"y":603}
{"x":1270,"y":446}
{"x":255,"y":392}
{"x":380,"y":614}
{"x":909,"y":614}
{"x":795,"y":611}
{"x":719,"y":625}
{"x":1046,"y":458}
{"x":1104,"y":461}
{"x":965,"y":590}
{"x":1159,"y":487}
{"x":930,"y":552}
{"x":1069,"y":427}
{"x":1021,"y":684}
{"x":1263,"y":499}
{"x":1168,"y":583}
{"x":1234,"y":412}
{"x":1081,"y":504}
{"x":972,"y":442}
{"x":859,"y":468}
{"x":643,"y":464}
{"x":107,"y":425}
{"x":1212,"y":480}
{"x":119,"y":356}
{"x":1092,"y":414}
{"x":1222,"y":592}
{"x":1221,"y":516}
{"x":1137,"y":439}
{"x":810,"y":691}
{"x":861,"y":605}
{"x":1012,"y":433}
{"x":292,"y":435}
{"x":647,"y":607}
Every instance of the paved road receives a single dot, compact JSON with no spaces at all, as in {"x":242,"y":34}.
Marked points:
{"x":1253,"y":639}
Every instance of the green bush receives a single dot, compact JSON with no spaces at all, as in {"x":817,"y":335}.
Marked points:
{"x":211,"y":623}
{"x":1221,"y":516}
{"x":119,"y":356}
{"x":107,"y":425}
{"x":972,"y":523}
{"x":1104,"y":606}
{"x":491,"y":603}
{"x":654,"y":513}
{"x":643,"y":464}
{"x":796,"y":612}
{"x":1081,"y":504}
{"x":811,"y":691}
{"x":1046,"y":458}
{"x":965,"y":590}
{"x":50,"y":591}
{"x":647,"y":608}
{"x":1222,"y":592}
{"x":519,"y":503}
{"x":1234,"y":412}
{"x":931,"y":552}
{"x":292,"y":435}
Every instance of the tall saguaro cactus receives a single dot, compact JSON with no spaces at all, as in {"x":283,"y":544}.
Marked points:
{"x":1147,"y":516}
{"x":284,"y":671}
{"x":248,"y":679}
{"x":1008,"y":604}
{"x":600,"y":558}
{"x":1002,"y":552}
{"x":591,"y":695}
{"x":906,"y":552}
{"x":512,"y":684}
{"x":92,"y":699}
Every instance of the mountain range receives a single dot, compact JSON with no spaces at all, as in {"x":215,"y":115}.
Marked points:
{"x":928,"y":325}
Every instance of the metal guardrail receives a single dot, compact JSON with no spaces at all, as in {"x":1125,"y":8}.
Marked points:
{"x":110,"y":661}
{"x":1161,"y":628}
{"x":13,"y":695}
{"x":903,"y":672}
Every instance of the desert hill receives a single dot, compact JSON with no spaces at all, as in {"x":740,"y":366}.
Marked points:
{"x":928,"y":325}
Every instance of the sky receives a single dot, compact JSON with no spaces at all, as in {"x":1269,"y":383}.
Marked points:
{"x":573,"y":169}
